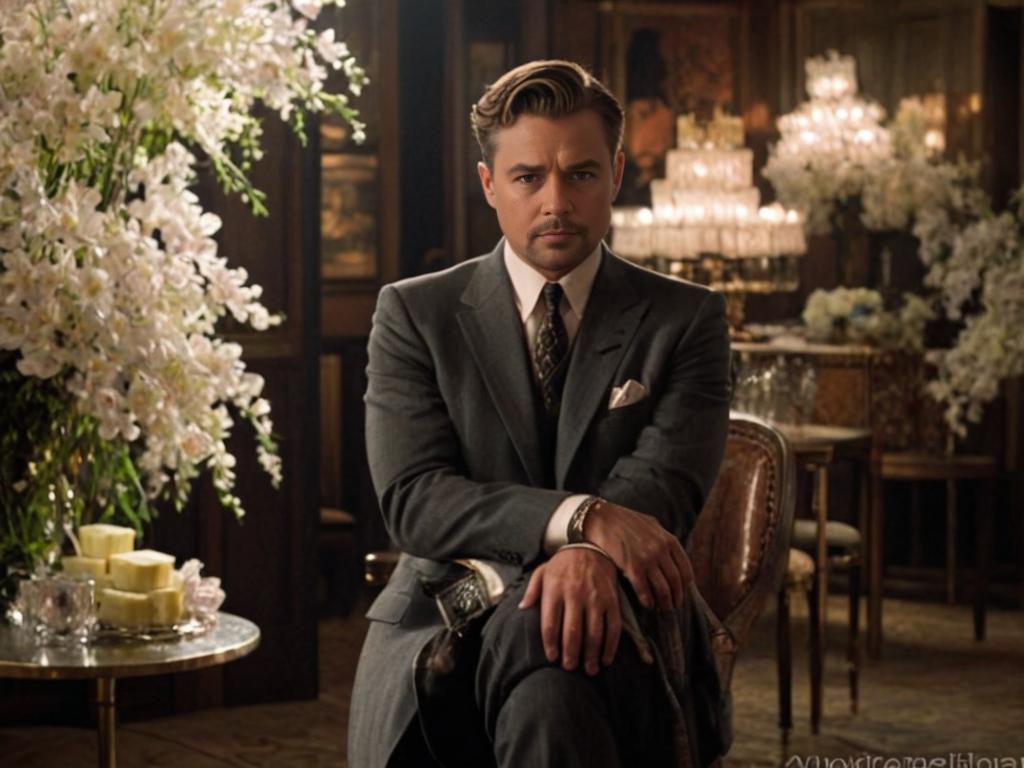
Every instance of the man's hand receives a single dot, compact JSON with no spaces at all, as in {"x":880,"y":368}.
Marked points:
{"x":650,"y":557}
{"x":579,"y":608}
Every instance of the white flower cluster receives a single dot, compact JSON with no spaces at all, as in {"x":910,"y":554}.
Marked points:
{"x":858,"y":315}
{"x":976,"y":261}
{"x":202,"y":595}
{"x":912,"y":181}
{"x":110,"y":284}
{"x":897,"y":191}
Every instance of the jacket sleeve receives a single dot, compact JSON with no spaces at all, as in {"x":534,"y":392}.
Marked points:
{"x":431,"y":509}
{"x":670,"y":472}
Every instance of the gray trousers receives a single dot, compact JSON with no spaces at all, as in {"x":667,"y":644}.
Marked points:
{"x":537,"y":714}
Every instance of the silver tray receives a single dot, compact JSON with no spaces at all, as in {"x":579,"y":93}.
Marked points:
{"x":104,"y":633}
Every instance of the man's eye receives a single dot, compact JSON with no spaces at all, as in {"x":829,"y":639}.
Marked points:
{"x":526,"y":178}
{"x":582,"y":175}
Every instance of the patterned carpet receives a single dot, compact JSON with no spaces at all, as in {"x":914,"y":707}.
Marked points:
{"x":936,"y":692}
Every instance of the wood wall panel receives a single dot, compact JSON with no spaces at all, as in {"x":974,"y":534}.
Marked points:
{"x":576,"y":33}
{"x":348,"y":314}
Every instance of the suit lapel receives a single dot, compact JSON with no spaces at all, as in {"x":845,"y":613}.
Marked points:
{"x":614,"y":311}
{"x":494,"y":333}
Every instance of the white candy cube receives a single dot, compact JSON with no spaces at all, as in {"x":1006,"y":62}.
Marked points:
{"x":93,"y":567}
{"x":165,"y":606}
{"x":141,"y":571}
{"x":102,"y":540}
{"x":123,"y":609}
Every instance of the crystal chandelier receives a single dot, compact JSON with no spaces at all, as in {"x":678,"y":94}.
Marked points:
{"x":706,"y":223}
{"x":836,"y":123}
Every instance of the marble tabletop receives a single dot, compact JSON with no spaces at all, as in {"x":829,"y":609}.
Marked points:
{"x":230,"y":638}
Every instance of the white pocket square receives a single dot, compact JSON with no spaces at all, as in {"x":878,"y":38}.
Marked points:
{"x":630,"y":392}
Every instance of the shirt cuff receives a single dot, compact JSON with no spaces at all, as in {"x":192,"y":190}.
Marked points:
{"x":557,"y":532}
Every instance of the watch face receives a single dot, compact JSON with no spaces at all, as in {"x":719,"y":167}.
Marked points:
{"x":463,"y":601}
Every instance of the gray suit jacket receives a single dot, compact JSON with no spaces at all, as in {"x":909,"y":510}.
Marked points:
{"x":455,"y":454}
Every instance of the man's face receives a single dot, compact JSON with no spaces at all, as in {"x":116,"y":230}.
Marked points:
{"x":552,"y":186}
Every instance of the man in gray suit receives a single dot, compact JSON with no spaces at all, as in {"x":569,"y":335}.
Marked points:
{"x":543,"y":425}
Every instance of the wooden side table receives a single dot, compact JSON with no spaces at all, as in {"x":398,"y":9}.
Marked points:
{"x":862,"y":387}
{"x":921,"y":467}
{"x":20,"y":657}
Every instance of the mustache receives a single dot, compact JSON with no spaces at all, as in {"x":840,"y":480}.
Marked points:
{"x":556,"y":225}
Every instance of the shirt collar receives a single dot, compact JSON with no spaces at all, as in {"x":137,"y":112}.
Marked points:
{"x":528,"y":282}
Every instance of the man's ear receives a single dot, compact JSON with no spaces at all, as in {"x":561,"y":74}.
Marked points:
{"x":486,"y":182}
{"x":617,"y":169}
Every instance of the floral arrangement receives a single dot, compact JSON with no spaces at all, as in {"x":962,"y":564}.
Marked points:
{"x":115,"y":387}
{"x":893,"y":178}
{"x":975,"y":261}
{"x":913,"y":180}
{"x":858,"y":315}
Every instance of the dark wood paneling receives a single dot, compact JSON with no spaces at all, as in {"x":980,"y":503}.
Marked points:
{"x":420,"y":87}
{"x":348,"y":314}
{"x":1002,"y":102}
{"x":352,"y":472}
{"x":576,"y":33}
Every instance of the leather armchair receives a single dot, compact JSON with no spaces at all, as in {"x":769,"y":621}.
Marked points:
{"x":740,"y":544}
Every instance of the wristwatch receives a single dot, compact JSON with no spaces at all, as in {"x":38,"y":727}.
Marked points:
{"x":574,"y":531}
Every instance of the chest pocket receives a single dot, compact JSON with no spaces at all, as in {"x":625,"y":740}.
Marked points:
{"x":620,"y":427}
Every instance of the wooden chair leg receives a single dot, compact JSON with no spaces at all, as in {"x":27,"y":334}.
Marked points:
{"x":875,"y":565}
{"x":814,"y":624}
{"x":853,"y":651}
{"x":951,"y":554}
{"x":916,"y":525}
{"x":784,"y":661}
{"x":985,"y":509}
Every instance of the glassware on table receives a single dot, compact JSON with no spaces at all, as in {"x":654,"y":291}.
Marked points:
{"x":780,"y":390}
{"x":806,"y":393}
{"x":781,"y":395}
{"x":59,"y":610}
{"x":750,"y":389}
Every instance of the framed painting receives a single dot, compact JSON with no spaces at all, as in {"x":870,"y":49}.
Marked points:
{"x":664,"y":60}
{"x":348,"y":216}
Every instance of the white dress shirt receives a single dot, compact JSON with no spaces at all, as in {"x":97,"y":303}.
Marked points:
{"x":527,"y":284}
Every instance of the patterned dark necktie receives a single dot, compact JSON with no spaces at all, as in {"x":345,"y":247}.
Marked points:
{"x":550,"y":350}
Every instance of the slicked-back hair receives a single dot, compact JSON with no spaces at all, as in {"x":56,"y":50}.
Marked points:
{"x":551,"y":89}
